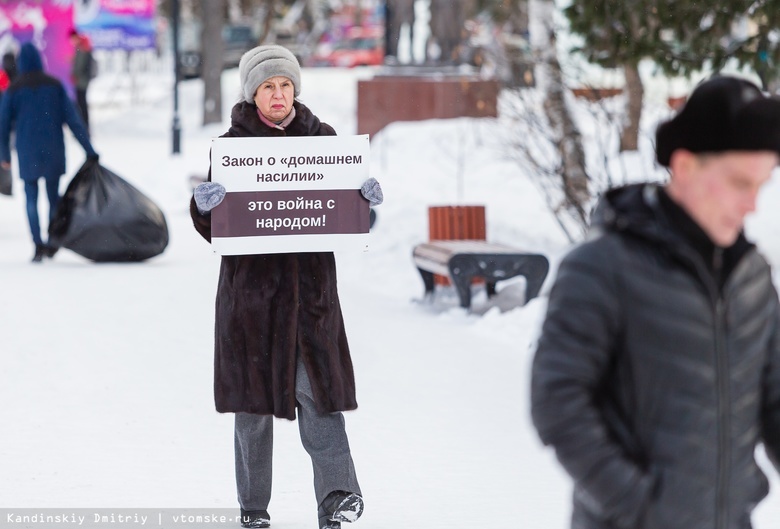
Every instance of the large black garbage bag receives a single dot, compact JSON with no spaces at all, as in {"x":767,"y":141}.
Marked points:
{"x":6,"y":182}
{"x":104,"y":218}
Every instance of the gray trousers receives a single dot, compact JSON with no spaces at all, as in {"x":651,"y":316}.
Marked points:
{"x":323,"y":436}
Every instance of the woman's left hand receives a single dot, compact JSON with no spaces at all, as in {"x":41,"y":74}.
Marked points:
{"x":372,"y":191}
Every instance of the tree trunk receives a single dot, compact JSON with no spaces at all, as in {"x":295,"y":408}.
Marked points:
{"x":566,"y":135}
{"x":446,"y":25}
{"x":635,"y":92}
{"x":211,"y":57}
{"x":268,"y":8}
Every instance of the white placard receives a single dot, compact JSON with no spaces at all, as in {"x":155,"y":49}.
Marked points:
{"x":290,"y":194}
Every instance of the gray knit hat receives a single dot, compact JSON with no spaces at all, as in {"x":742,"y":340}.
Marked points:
{"x":262,"y":63}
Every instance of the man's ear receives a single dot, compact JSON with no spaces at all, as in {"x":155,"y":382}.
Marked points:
{"x":682,"y":163}
{"x":682,"y":166}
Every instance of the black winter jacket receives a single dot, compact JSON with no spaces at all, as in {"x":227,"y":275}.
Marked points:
{"x":653,"y":385}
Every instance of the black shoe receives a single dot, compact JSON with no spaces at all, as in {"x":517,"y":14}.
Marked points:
{"x":50,"y":250}
{"x":339,"y":506}
{"x":40,"y":251}
{"x":255,"y":519}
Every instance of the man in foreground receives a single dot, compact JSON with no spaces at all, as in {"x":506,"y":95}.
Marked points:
{"x":658,"y":369}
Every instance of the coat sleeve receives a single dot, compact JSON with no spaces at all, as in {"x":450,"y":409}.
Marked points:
{"x":573,"y":355}
{"x":76,"y":124}
{"x":326,"y":130}
{"x":202,"y":222}
{"x":771,"y":395}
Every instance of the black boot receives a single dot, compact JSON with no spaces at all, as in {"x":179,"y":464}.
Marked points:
{"x":255,"y":519}
{"x":40,"y":251}
{"x":50,"y":250}
{"x":339,"y":506}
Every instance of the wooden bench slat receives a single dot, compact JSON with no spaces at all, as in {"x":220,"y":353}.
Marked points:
{"x":468,"y":246}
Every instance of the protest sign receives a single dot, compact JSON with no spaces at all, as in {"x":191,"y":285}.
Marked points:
{"x":290,"y":194}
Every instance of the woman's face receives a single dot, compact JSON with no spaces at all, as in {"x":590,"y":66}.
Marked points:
{"x":274,"y":97}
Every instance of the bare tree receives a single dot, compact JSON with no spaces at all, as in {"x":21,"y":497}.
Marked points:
{"x":447,"y":21}
{"x":635,"y":95}
{"x":565,"y":180}
{"x":266,"y":9}
{"x":211,"y":54}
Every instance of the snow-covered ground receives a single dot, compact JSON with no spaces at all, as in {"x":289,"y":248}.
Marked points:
{"x":106,"y":369}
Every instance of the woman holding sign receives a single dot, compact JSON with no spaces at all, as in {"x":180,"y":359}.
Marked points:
{"x":280,"y":342}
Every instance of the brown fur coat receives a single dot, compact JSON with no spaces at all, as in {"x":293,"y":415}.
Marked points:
{"x":270,"y":307}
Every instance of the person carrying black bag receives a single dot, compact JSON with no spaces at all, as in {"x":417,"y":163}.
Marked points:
{"x":37,"y":106}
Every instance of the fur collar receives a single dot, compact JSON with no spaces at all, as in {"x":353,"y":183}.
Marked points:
{"x":245,"y":122}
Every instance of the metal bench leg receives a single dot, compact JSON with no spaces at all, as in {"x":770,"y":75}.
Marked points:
{"x":427,"y":278}
{"x":533,"y":286}
{"x":463,"y":268}
{"x":536,"y":272}
{"x":463,"y":287}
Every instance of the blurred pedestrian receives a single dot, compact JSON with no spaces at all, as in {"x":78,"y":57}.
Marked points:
{"x":6,"y":178}
{"x":81,"y":71}
{"x":398,"y":13}
{"x":36,"y":106}
{"x":280,"y":338}
{"x":7,"y":75}
{"x":657,"y":372}
{"x":9,"y":65}
{"x":5,"y":82}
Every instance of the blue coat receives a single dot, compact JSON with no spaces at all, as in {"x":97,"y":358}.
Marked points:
{"x":37,"y":106}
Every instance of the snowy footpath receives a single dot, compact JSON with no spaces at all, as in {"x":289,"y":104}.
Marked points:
{"x":106,"y":379}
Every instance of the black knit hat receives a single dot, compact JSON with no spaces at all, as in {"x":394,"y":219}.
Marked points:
{"x":722,"y":114}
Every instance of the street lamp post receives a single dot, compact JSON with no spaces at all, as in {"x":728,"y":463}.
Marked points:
{"x":176,"y":76}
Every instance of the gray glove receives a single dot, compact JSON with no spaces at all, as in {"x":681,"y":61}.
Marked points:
{"x":372,"y":192}
{"x":208,"y":195}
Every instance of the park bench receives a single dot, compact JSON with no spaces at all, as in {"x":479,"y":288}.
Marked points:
{"x":463,"y":261}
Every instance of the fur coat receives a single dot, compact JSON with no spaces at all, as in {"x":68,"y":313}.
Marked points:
{"x":276,"y":309}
